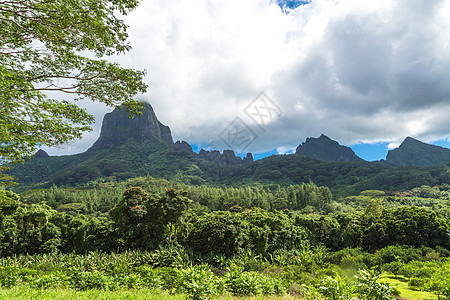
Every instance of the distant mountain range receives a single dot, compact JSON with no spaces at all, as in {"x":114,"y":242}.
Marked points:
{"x":142,"y":145}
{"x":411,"y":152}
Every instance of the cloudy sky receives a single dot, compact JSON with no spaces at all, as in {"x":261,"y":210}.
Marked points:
{"x":365,"y":73}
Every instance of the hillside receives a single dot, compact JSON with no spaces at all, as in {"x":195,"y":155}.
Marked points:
{"x":412,"y":152}
{"x":126,"y":147}
{"x":144,"y":146}
{"x":325,"y":148}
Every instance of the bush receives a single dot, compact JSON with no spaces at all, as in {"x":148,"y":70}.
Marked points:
{"x":240,"y":283}
{"x":198,"y":282}
{"x":150,"y":277}
{"x":46,"y":281}
{"x":9,"y":276}
{"x":337,"y":288}
{"x":82,"y":280}
{"x":371,"y":288}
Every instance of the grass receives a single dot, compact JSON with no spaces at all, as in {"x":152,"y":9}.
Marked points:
{"x":401,"y":284}
{"x":26,"y":293}
{"x":256,"y":298}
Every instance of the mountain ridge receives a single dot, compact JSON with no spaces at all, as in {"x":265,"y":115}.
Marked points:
{"x":152,"y":152}
{"x":413,"y":152}
{"x":118,"y":128}
{"x":326,"y":149}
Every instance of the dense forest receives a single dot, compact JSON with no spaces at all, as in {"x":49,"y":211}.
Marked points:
{"x":294,"y":238}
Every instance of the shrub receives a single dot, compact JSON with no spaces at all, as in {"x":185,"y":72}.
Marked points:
{"x":240,"y":283}
{"x":371,"y":288}
{"x":46,"y":281}
{"x":127,"y":281}
{"x":9,"y":276}
{"x":83,"y":280}
{"x":150,"y":277}
{"x":337,"y":288}
{"x":198,"y":282}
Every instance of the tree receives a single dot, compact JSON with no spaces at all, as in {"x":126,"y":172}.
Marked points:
{"x":171,"y":208}
{"x":130,"y":214}
{"x":416,"y":226}
{"x":143,"y":219}
{"x":9,"y":201}
{"x":5,"y":179}
{"x":218,"y":233}
{"x":48,"y":47}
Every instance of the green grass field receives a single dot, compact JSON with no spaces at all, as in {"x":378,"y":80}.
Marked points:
{"x":25,"y":293}
{"x":401,"y":284}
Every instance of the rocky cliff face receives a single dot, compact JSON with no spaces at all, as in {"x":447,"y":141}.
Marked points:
{"x":118,"y":127}
{"x":227,"y":157}
{"x":325,"y":148}
{"x":412,"y":152}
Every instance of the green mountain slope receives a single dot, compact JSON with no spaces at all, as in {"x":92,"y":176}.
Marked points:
{"x":143,"y":146}
{"x":413,"y":152}
{"x":326,"y":149}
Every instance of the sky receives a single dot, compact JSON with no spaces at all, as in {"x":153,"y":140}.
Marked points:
{"x":261,"y":76}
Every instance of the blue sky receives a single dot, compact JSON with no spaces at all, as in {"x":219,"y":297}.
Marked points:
{"x":371,"y":152}
{"x":287,"y":5}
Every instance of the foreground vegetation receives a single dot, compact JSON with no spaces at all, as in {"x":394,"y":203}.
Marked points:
{"x":22,"y":293}
{"x":152,"y":274}
{"x":27,"y":293}
{"x":185,"y":238}
{"x":401,"y":285}
{"x":207,"y":241}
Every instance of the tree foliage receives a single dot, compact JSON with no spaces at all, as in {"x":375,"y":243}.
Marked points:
{"x":49,"y":50}
{"x":144,"y":220}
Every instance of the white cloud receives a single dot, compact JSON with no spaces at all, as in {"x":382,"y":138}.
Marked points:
{"x":356,"y":70}
{"x":393,"y":145}
{"x":287,"y":149}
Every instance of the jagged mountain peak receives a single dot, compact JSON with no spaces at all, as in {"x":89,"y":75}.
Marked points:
{"x":227,"y":157}
{"x":413,"y":152}
{"x":324,"y":137}
{"x":183,"y":145}
{"x":327,"y":149}
{"x":118,"y":127}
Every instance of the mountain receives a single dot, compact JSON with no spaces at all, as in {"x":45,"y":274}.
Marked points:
{"x":126,"y":147}
{"x":412,"y":152}
{"x":325,"y":148}
{"x":41,"y":154}
{"x":150,"y":151}
{"x":118,"y":128}
{"x":228,"y":157}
